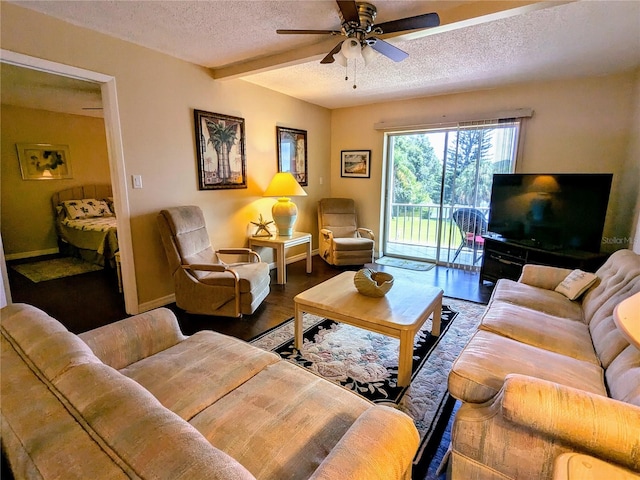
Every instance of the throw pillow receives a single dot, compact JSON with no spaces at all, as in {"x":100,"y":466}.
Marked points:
{"x":86,"y":208}
{"x":576,"y":283}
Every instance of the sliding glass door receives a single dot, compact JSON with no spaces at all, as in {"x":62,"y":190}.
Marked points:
{"x":439,"y":191}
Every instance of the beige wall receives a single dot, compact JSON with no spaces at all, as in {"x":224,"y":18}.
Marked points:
{"x":27,"y":216}
{"x":580,"y":125}
{"x":156,"y":97}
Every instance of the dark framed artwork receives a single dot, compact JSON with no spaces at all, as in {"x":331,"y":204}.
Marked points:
{"x":355,"y":163}
{"x":220,"y":143}
{"x":292,"y":153}
{"x":44,"y":161}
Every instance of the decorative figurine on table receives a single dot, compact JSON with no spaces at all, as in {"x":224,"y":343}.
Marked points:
{"x":262,"y":230}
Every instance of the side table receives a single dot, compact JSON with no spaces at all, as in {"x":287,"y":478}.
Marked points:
{"x":279,"y":244}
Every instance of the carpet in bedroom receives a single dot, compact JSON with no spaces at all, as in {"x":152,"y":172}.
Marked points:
{"x":44,"y":270}
{"x":367,"y":363}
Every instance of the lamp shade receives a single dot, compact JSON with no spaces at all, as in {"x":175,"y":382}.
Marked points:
{"x":283,"y":184}
{"x":284,"y":211}
{"x":368,"y":54}
{"x":351,"y":48}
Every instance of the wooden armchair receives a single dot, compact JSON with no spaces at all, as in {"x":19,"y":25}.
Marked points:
{"x":204,"y":283}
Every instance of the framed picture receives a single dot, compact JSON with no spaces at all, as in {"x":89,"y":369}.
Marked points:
{"x":356,"y":163}
{"x":44,"y":161}
{"x":220,"y":144}
{"x":292,"y":153}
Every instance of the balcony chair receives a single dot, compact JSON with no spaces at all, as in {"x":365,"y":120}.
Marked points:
{"x":472,"y":225}
{"x":204,"y":283}
{"x":342,"y":242}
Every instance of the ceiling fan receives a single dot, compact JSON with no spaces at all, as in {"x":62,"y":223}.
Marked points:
{"x":357,"y":24}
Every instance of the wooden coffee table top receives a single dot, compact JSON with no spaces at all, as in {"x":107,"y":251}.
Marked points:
{"x":403,"y":307}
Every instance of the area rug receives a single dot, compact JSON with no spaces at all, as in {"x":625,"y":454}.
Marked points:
{"x":404,"y":263}
{"x":367,"y":363}
{"x":55,"y":268}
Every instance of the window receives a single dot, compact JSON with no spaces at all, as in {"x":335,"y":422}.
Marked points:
{"x":438,"y":178}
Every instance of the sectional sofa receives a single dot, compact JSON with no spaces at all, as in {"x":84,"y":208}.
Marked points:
{"x":547,"y":375}
{"x":138,"y":399}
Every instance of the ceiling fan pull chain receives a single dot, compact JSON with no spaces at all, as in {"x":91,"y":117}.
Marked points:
{"x":355,"y":71}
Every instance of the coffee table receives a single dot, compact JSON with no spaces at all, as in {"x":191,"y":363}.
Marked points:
{"x":399,"y":314}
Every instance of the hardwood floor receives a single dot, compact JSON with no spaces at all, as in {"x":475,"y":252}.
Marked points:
{"x":92,"y":299}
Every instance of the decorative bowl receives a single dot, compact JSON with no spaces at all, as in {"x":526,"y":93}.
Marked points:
{"x":372,"y":283}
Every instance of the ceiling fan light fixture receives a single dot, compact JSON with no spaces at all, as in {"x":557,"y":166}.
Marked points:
{"x":351,"y":48}
{"x":368,"y":54}
{"x":340,"y":59}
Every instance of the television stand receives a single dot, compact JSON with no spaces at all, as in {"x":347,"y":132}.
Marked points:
{"x":505,"y":259}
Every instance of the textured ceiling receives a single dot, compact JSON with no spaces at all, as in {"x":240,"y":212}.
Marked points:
{"x":477,"y":46}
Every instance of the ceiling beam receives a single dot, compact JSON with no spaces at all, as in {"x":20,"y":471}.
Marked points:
{"x":465,"y":15}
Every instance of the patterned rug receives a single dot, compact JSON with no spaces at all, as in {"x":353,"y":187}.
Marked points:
{"x":406,"y":264}
{"x":367,"y":363}
{"x":56,"y":268}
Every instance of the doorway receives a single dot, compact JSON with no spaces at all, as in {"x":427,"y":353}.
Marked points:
{"x":115,"y":154}
{"x":437,"y":203}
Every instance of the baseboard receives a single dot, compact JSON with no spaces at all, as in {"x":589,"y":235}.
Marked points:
{"x":34,"y":253}
{"x":297,"y":258}
{"x":157,"y":303}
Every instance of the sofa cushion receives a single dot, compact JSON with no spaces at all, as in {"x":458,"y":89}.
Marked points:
{"x":146,"y":439}
{"x":352,"y":244}
{"x":556,"y":334}
{"x":286,"y":406}
{"x":547,"y":301}
{"x":27,"y":439}
{"x":623,"y":376}
{"x":479,"y":371}
{"x":122,"y":343}
{"x":252,"y":275}
{"x":207,"y":365}
{"x":619,"y":279}
{"x":92,"y":411}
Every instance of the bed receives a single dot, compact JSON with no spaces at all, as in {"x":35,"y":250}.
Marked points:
{"x":86,"y":223}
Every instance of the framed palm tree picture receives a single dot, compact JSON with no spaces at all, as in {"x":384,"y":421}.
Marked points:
{"x":220,"y":143}
{"x":292,"y":153}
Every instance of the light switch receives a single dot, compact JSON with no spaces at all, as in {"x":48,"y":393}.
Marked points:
{"x":137,"y":181}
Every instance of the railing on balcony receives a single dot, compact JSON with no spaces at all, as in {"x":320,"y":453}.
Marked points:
{"x":413,"y":232}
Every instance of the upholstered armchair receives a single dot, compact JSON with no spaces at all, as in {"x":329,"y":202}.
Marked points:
{"x":341,"y":241}
{"x":204,"y":283}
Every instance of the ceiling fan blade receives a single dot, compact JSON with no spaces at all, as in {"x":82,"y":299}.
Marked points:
{"x":329,"y":58}
{"x":427,"y":20}
{"x":349,"y":11}
{"x":309,"y":32}
{"x":388,"y":50}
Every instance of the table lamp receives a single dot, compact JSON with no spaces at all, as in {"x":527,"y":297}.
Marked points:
{"x":283,"y":185}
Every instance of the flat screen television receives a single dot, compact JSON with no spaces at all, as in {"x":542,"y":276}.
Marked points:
{"x":554,"y":211}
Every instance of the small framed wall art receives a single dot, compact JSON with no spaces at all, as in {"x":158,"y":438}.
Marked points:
{"x":355,"y":163}
{"x":44,"y":161}
{"x":292,"y":153}
{"x":220,"y":142}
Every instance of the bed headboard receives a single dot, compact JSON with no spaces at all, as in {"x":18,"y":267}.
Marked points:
{"x":98,"y":192}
